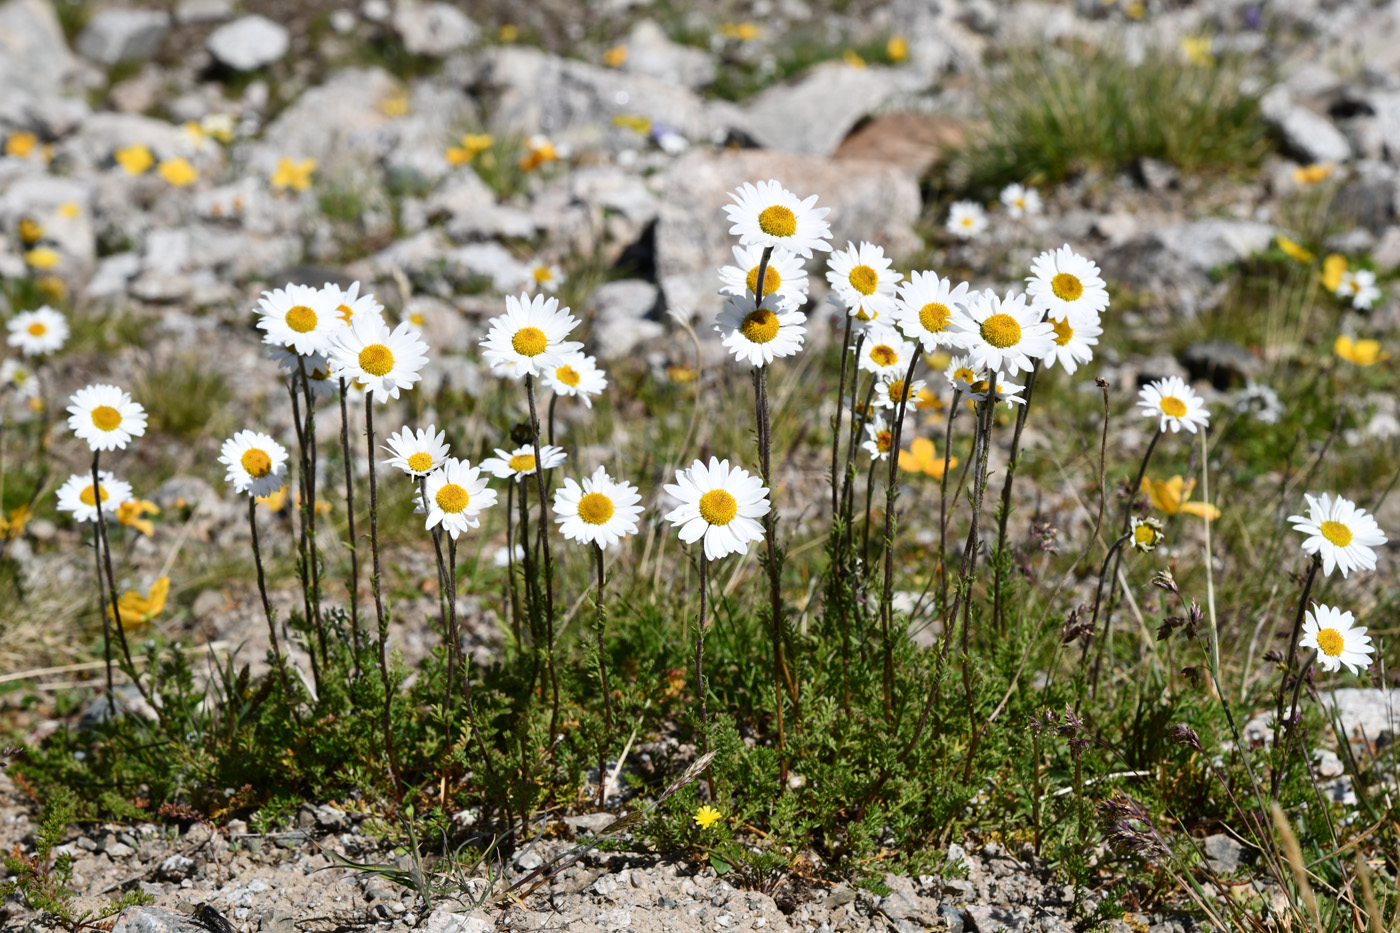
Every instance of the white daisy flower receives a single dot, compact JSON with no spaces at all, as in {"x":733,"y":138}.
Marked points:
{"x":1020,"y":200}
{"x":720,"y":504}
{"x":890,"y":392}
{"x":1177,"y":405}
{"x":1063,"y":284}
{"x":529,"y":339}
{"x":347,"y":303}
{"x":885,"y":352}
{"x":418,"y":452}
{"x":543,"y":276}
{"x":458,"y":492}
{"x":785,"y":277}
{"x":256,"y":463}
{"x":318,"y":370}
{"x":1345,"y":536}
{"x":1336,"y":639}
{"x":1360,"y":287}
{"x":382,"y":361}
{"x":521,"y":461}
{"x":758,"y":336}
{"x":879,"y":437}
{"x":962,"y":373}
{"x":1147,"y":534}
{"x":925,"y":309}
{"x":76,"y":495}
{"x":864,"y":318}
{"x":20,"y":377}
{"x":298,"y":316}
{"x":1002,"y":334}
{"x":1073,"y":345}
{"x":577,"y":375}
{"x":862,"y":277}
{"x":767,"y":214}
{"x":38,"y":332}
{"x":1007,"y":392}
{"x":105,"y":417}
{"x":966,"y":219}
{"x":602,"y":511}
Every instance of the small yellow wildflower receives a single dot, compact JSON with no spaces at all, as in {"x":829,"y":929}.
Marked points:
{"x":131,"y":514}
{"x":139,"y":610}
{"x":395,"y":105}
{"x":274,"y":501}
{"x":1312,"y":174}
{"x":680,"y":375}
{"x":1332,"y":269}
{"x":1360,"y":352}
{"x":194,"y":132}
{"x":921,"y":458}
{"x":43,"y":258}
{"x":928,"y":400}
{"x":706,"y":817}
{"x":615,"y":57}
{"x":1169,"y":496}
{"x":538,"y":151}
{"x":508,"y":33}
{"x":293,"y":175}
{"x":472,"y":145}
{"x":53,"y":287}
{"x":1135,"y":10}
{"x":1196,"y":51}
{"x":13,"y":525}
{"x":21,"y":145}
{"x":30,"y":231}
{"x":852,"y":58}
{"x":136,"y":159}
{"x":178,"y":172}
{"x":69,"y":209}
{"x":218,"y":126}
{"x":628,"y":121}
{"x":1294,"y":251}
{"x":742,"y":32}
{"x":897,"y":49}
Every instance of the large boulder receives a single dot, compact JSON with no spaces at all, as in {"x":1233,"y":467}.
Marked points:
{"x":122,"y":35}
{"x":814,"y":112}
{"x":34,"y":59}
{"x":1173,"y":263}
{"x":249,"y":43}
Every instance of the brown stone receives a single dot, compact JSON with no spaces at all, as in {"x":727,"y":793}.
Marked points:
{"x":912,"y":141}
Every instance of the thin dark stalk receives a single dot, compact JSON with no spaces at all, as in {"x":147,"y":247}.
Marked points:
{"x":848,"y":478}
{"x":310,"y":505}
{"x":700,"y":662}
{"x":979,"y":496}
{"x":350,"y":527}
{"x":544,"y":548}
{"x":770,"y":532}
{"x":836,"y":419}
{"x":304,"y":559}
{"x":447,"y":586}
{"x":1277,"y":777}
{"x":553,"y":400}
{"x":510,"y":566}
{"x":1011,"y":464}
{"x":943,"y":500}
{"x":602,"y":618}
{"x":277,"y":658}
{"x":865,"y":516}
{"x":891,"y":493}
{"x":380,"y":617}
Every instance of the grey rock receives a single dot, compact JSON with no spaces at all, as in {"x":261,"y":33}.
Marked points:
{"x":34,"y":58}
{"x":651,"y":52}
{"x":154,"y":920}
{"x":528,"y":860}
{"x":1223,"y":362}
{"x":1368,"y":196}
{"x":622,"y":312}
{"x":175,"y":868}
{"x":433,"y":29}
{"x":813,"y":113}
{"x":445,"y":921}
{"x":249,"y":43}
{"x":984,"y":918}
{"x":1174,"y":262}
{"x":952,"y":918}
{"x":102,"y":134}
{"x":330,"y":818}
{"x":1223,"y":853}
{"x":277,"y":920}
{"x":589,"y":822}
{"x":112,"y":276}
{"x":203,"y":11}
{"x":1387,"y":250}
{"x":1157,"y":175}
{"x":1310,"y":136}
{"x":123,"y":35}
{"x":473,"y":213}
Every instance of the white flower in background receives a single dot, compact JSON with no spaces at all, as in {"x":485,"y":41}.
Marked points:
{"x":521,"y":461}
{"x":1261,"y":401}
{"x":885,"y":352}
{"x":720,"y":504}
{"x":966,"y":219}
{"x":1074,"y":345}
{"x":577,"y":375}
{"x":255,"y":462}
{"x":767,"y":214}
{"x":962,"y":373}
{"x":20,"y":377}
{"x":317,"y":365}
{"x":456,"y":494}
{"x":602,"y":511}
{"x":1337,"y":641}
{"x":862,"y":278}
{"x":1175,"y":403}
{"x":878,"y":438}
{"x":1020,"y":200}
{"x":1002,"y":334}
{"x":530,"y":338}
{"x":1007,"y":392}
{"x":381,"y":360}
{"x":786,"y":276}
{"x":544,"y":277}
{"x":418,"y":452}
{"x":1360,"y":286}
{"x":76,"y":495}
{"x":758,"y":336}
{"x":925,"y":309}
{"x":1342,"y":534}
{"x":1063,"y":284}
{"x":105,"y":417}
{"x":348,"y":303}
{"x":38,"y":332}
{"x":890,"y":392}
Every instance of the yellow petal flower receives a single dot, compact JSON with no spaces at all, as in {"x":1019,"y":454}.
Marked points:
{"x":1360,"y":352}
{"x":742,"y":32}
{"x":1332,"y":268}
{"x":30,"y":231}
{"x":1312,"y":174}
{"x":615,"y":57}
{"x":1170,"y":497}
{"x":21,"y":144}
{"x":137,"y":610}
{"x":132,"y":514}
{"x":178,"y":172}
{"x":42,"y":258}
{"x":293,"y":175}
{"x":136,"y":159}
{"x":921,"y":457}
{"x":1294,"y":251}
{"x":897,"y":49}
{"x":706,"y":817}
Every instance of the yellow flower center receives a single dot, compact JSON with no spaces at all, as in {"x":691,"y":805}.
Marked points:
{"x":1337,"y":533}
{"x":106,"y":418}
{"x":864,"y":279}
{"x":595,"y":508}
{"x":376,"y":359}
{"x":772,"y":281}
{"x":777,"y":221}
{"x":1063,"y":332}
{"x":1145,"y":536}
{"x":420,"y":462}
{"x":934,"y":316}
{"x":38,"y":329}
{"x":1066,"y":287}
{"x":1001,"y":331}
{"x":346,"y":312}
{"x":256,"y":462}
{"x":452,"y":498}
{"x":567,"y":375}
{"x":883,"y":440}
{"x":1330,"y":642}
{"x":522,"y":463}
{"x":718,"y":507}
{"x":884,"y":355}
{"x":542,"y":274}
{"x":759,"y":326}
{"x":864,"y":315}
{"x":897,"y":391}
{"x":301,"y":319}
{"x":980,"y":386}
{"x":1173,"y":406}
{"x":529,"y":341}
{"x":963,"y":374}
{"x":89,"y":499}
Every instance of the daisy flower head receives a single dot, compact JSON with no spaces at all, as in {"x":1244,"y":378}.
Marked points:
{"x":1336,"y":638}
{"x":577,"y":375}
{"x":317,"y":366}
{"x":1063,"y":284}
{"x":347,"y":303}
{"x":521,"y":461}
{"x":1177,"y":405}
{"x":105,"y":417}
{"x":966,"y":219}
{"x":529,"y":339}
{"x":862,"y":278}
{"x":863,"y":317}
{"x":1344,"y":536}
{"x":879,"y":438}
{"x":20,"y":377}
{"x":456,"y":494}
{"x":758,"y":336}
{"x":419,"y":452}
{"x":1002,"y":334}
{"x":602,"y":511}
{"x":381,"y":360}
{"x":1147,"y":534}
{"x":298,"y":316}
{"x":785,"y":276}
{"x":1073,"y":344}
{"x":1360,"y":287}
{"x":38,"y":332}
{"x":885,"y":352}
{"x":767,"y":214}
{"x":719,"y":503}
{"x":962,"y":373}
{"x":1020,"y":200}
{"x":256,"y":463}
{"x":925,"y":309}
{"x":76,"y":496}
{"x":1007,"y":392}
{"x":890,"y":392}
{"x":544,"y":277}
